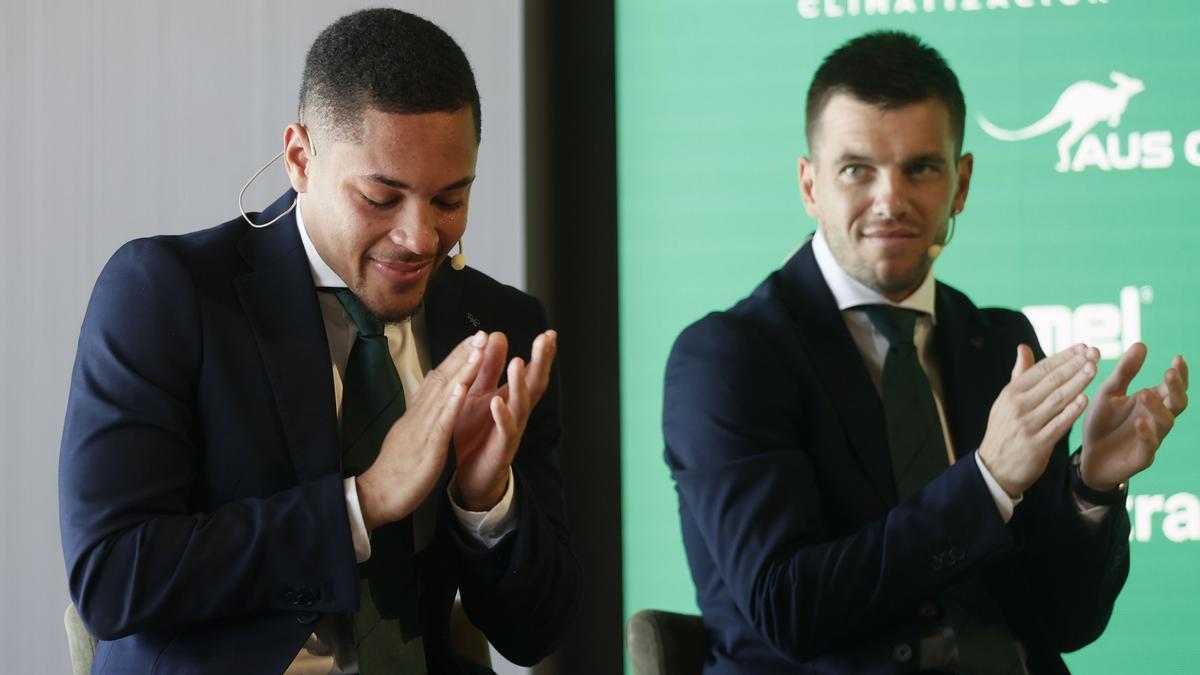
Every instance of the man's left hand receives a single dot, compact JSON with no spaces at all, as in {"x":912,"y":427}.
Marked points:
{"x":492,"y":420}
{"x":1122,"y":431}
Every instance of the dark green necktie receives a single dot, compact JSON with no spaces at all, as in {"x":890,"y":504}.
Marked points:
{"x":913,"y":429}
{"x":985,"y":644}
{"x":387,"y":626}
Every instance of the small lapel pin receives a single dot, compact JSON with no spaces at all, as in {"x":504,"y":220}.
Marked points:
{"x":472,"y":320}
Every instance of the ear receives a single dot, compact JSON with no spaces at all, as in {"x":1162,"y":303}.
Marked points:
{"x":966,"y":164}
{"x":806,"y":173}
{"x":296,"y":155}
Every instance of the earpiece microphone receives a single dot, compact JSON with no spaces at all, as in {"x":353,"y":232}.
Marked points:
{"x":242,"y":194}
{"x":936,"y":249}
{"x":242,"y":209}
{"x":459,"y":260}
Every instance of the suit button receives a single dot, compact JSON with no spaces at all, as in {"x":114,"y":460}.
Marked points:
{"x":902,"y":653}
{"x":307,"y":618}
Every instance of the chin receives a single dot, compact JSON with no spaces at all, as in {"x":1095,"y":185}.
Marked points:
{"x":391,"y":305}
{"x":902,"y":281}
{"x":398,"y":308}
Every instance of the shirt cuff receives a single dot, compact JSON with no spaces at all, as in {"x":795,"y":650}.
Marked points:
{"x":1005,"y":504}
{"x":358,"y":528}
{"x":487,"y":527}
{"x":1092,"y":514}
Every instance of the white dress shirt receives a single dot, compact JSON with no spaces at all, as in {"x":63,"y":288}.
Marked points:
{"x":331,"y":649}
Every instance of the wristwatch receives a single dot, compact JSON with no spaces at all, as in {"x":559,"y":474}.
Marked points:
{"x":1106,"y":498}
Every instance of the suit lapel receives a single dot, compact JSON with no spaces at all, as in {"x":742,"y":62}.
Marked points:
{"x":960,"y":344}
{"x":280,"y":303}
{"x":839,"y":367}
{"x":445,"y":314}
{"x":446,"y":326}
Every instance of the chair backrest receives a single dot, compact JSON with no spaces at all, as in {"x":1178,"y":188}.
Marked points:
{"x":468,"y":641}
{"x":666,"y":643}
{"x":80,"y":642}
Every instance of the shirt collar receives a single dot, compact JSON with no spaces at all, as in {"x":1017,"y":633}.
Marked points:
{"x":322,"y":274}
{"x":850,"y":293}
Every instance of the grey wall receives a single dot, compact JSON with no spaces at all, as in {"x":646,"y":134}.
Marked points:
{"x":121,"y":119}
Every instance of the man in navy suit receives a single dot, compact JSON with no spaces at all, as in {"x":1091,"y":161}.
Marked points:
{"x":816,"y":543}
{"x":211,"y":522}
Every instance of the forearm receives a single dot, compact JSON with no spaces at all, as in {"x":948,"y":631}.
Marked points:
{"x":131,"y":571}
{"x":1078,"y":566}
{"x":523,"y":591}
{"x":808,"y":590}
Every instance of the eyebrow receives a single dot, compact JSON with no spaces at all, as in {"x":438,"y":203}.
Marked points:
{"x":927,"y":158}
{"x":401,"y":185}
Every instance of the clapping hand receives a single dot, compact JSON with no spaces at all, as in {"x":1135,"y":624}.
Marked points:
{"x":492,"y":421}
{"x":1123,"y":431}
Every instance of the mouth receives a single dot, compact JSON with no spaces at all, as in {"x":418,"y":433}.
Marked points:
{"x":889,"y":233}
{"x":400,"y":272}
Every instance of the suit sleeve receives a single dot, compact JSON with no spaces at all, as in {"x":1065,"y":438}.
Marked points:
{"x":739,"y":434}
{"x":1074,"y":568}
{"x":139,"y":553}
{"x":523,"y":591}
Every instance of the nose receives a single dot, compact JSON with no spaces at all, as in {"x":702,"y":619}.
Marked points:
{"x":890,"y":196}
{"x":416,"y":228}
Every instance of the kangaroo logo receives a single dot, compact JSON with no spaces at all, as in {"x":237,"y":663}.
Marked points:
{"x":1083,"y":105}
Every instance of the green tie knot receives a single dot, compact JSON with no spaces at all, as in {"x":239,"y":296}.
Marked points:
{"x":362,"y":317}
{"x":896,"y":323}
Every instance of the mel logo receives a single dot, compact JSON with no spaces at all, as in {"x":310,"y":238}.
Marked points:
{"x":1081,"y":107}
{"x":1110,"y":328}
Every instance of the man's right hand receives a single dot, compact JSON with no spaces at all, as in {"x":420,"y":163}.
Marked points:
{"x":1035,"y":410}
{"x":413,"y":453}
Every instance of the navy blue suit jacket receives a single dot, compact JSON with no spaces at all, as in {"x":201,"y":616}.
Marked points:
{"x":202,"y":511}
{"x":804,"y":559}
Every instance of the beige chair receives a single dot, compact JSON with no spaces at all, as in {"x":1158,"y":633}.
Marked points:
{"x":467,"y":640}
{"x":80,"y":642}
{"x":666,"y":643}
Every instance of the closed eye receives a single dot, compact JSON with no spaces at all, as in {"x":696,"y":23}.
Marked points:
{"x":379,"y":205}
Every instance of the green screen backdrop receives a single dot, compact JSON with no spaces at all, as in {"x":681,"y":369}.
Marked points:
{"x":1091,"y":227}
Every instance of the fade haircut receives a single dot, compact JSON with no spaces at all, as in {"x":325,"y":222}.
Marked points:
{"x":384,"y":59}
{"x":888,"y":69}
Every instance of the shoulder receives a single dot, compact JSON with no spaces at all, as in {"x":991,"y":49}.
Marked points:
{"x":1007,"y":325}
{"x":488,"y":304}
{"x":752,"y":343}
{"x":167,"y":259}
{"x":477,"y":285}
{"x":761,"y":321}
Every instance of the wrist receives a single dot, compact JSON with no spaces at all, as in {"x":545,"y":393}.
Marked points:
{"x":1012,"y":491}
{"x":367,"y":504}
{"x":484,"y":500}
{"x":1088,"y":474}
{"x":1092,"y":490}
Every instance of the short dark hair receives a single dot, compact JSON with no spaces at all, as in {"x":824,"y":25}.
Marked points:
{"x":385,"y":59}
{"x":889,"y":69}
